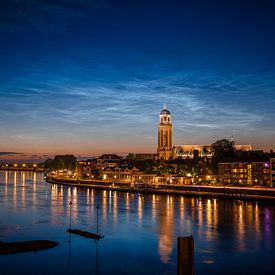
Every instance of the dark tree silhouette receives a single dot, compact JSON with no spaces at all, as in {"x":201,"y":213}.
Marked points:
{"x":221,"y":149}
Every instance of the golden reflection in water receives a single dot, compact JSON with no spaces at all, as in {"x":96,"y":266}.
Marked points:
{"x":257,"y":222}
{"x":74,"y":203}
{"x":215,"y":214}
{"x":154,"y":208}
{"x":140,"y":210}
{"x":89,"y":204}
{"x":115,"y":206}
{"x":15,"y":178}
{"x":182,"y":210}
{"x":240,"y":227}
{"x":53,"y":195}
{"x":34,"y":188}
{"x":6,"y":185}
{"x":249,"y":213}
{"x":110,"y":199}
{"x":14,"y":189}
{"x":23,"y":189}
{"x":57,"y":202}
{"x":166,"y":228}
{"x":23,"y":178}
{"x":53,"y":201}
{"x":88,"y":196}
{"x":193,"y":204}
{"x":209,"y":213}
{"x":59,"y":199}
{"x":6,"y":177}
{"x":92,"y":197}
{"x":200,"y":216}
{"x":127,"y":206}
{"x":61,"y":191}
{"x":211,"y":219}
{"x":215,"y":204}
{"x":104,"y":207}
{"x":69,"y":195}
{"x":68,"y":200}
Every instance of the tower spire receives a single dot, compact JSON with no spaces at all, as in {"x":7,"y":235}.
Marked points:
{"x":232,"y":139}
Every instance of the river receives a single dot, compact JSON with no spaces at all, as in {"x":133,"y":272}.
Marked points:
{"x":140,"y":231}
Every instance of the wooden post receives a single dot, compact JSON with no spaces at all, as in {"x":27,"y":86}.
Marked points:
{"x":186,"y":255}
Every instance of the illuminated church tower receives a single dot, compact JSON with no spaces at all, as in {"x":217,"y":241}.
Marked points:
{"x":165,"y":150}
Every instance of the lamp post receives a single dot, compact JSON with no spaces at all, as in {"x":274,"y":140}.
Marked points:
{"x":70,"y":215}
{"x":97,"y":207}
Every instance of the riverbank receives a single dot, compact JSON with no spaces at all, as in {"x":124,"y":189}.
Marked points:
{"x":224,"y":192}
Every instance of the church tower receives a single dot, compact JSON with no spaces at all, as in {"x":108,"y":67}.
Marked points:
{"x":165,"y":150}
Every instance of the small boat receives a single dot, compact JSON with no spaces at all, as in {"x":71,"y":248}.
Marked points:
{"x":85,"y":234}
{"x":25,"y":246}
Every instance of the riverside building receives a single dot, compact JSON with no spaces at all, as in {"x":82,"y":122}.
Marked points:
{"x":254,"y":168}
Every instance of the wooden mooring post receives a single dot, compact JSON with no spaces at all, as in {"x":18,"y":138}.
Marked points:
{"x":186,"y":255}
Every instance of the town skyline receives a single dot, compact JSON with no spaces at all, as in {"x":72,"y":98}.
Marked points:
{"x":9,"y":155}
{"x":12,"y":155}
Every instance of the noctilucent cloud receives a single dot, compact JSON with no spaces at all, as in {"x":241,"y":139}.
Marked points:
{"x":88,"y":77}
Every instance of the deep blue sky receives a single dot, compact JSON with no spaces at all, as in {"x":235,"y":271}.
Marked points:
{"x":91,"y":76}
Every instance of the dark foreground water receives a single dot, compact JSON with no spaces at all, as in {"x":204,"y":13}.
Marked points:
{"x":231,"y":237}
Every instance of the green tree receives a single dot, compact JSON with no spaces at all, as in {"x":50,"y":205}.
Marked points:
{"x":64,"y":162}
{"x":221,"y":149}
{"x":205,"y":151}
{"x":95,"y":172}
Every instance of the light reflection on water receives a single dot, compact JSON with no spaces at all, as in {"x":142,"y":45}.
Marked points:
{"x":140,"y":230}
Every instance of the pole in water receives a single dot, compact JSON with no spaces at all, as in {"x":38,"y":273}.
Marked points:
{"x":97,"y":207}
{"x":185,"y":255}
{"x":70,"y":215}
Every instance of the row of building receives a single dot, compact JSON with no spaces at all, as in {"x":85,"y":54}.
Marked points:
{"x":254,"y":168}
{"x":251,"y":168}
{"x":112,"y":168}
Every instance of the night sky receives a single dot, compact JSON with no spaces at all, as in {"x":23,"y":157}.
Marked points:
{"x":88,"y":77}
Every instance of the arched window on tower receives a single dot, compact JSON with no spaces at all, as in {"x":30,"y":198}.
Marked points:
{"x":165,"y":141}
{"x":161,"y":138}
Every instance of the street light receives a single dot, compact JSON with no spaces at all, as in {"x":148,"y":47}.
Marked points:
{"x":97,"y":207}
{"x":70,"y":215}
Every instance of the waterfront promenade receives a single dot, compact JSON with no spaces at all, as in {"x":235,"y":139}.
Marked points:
{"x":228,"y":192}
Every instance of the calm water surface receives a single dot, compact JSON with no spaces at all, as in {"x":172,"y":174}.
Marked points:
{"x":231,"y":237}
